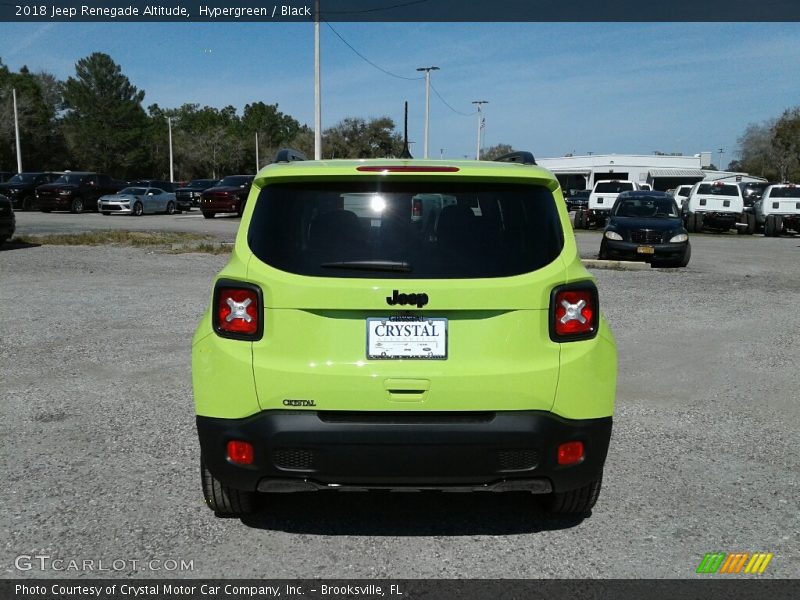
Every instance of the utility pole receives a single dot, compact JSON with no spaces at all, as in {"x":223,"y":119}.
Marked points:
{"x":16,"y":131}
{"x":721,"y":150}
{"x":171,"y":169}
{"x":479,"y":104}
{"x":427,"y":104}
{"x":257,"y":163}
{"x":317,"y":91}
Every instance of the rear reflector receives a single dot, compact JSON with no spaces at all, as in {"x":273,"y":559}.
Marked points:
{"x":570,"y":453}
{"x":241,"y":453}
{"x":574,"y":312}
{"x":407,"y":169}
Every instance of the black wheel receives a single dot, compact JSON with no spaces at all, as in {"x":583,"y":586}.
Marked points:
{"x":76,"y":207}
{"x":240,"y":210}
{"x":603,"y":254}
{"x":225,"y":501}
{"x":769,"y":226}
{"x":751,"y":223}
{"x":580,"y":219}
{"x":698,"y":222}
{"x":3,"y":240}
{"x":680,"y":262}
{"x":138,"y":209}
{"x":574,"y":502}
{"x":28,"y":203}
{"x":778,"y":225}
{"x":209,"y":215}
{"x":170,"y":208}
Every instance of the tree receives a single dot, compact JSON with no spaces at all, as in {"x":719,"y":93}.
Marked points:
{"x":42,"y":145}
{"x":786,"y":138}
{"x":105,"y":124}
{"x":275,"y":130}
{"x":354,"y":137}
{"x":493,"y":152}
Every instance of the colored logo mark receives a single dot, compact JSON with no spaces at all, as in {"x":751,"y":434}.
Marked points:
{"x":737,"y":562}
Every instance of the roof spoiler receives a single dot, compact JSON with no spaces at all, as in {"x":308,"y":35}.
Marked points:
{"x":526,"y":158}
{"x":285,"y":155}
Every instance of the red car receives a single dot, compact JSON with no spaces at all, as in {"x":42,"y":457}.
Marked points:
{"x":229,"y":195}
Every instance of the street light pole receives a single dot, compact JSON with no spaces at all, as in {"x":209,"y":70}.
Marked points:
{"x":479,"y":104}
{"x":171,"y":169}
{"x":16,"y":131}
{"x":257,"y":162}
{"x":317,"y":91}
{"x":427,"y":104}
{"x":721,"y":150}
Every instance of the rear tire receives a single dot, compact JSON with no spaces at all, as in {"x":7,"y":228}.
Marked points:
{"x":223,"y":500}
{"x":580,"y":219}
{"x":209,"y":215}
{"x":769,"y":226}
{"x":751,"y":223}
{"x":574,"y":502}
{"x":698,"y":222}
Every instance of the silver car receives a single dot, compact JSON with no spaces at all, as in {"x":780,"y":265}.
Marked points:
{"x":137,"y":201}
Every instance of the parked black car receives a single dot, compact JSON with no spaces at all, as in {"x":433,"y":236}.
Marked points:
{"x":21,"y":188}
{"x":578,"y":199}
{"x":8,"y":222}
{"x":189,"y":195}
{"x":646,"y":226}
{"x":76,"y":191}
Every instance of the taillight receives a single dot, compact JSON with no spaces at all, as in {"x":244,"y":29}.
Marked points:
{"x":237,"y":310}
{"x":570,"y":453}
{"x":416,"y":210}
{"x":240,"y":453}
{"x":574,"y":312}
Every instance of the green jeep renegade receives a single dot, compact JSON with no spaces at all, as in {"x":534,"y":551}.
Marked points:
{"x":404,"y":324}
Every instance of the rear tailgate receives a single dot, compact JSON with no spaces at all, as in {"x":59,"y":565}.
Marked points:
{"x":479,"y":274}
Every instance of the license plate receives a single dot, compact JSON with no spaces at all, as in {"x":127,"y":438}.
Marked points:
{"x":645,"y":250}
{"x":407,"y":337}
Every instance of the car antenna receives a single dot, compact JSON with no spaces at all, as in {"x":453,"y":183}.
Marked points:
{"x":405,"y":153}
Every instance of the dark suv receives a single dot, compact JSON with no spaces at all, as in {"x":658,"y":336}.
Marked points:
{"x":751,"y":192}
{"x":229,"y":195}
{"x":21,"y":188}
{"x":189,"y":195}
{"x":76,"y":191}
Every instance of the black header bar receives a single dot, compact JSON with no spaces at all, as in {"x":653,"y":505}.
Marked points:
{"x":278,"y":11}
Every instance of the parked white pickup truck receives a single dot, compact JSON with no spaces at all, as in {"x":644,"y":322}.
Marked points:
{"x":778,"y":210}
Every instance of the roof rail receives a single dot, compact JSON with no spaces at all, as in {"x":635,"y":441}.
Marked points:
{"x":526,"y":158}
{"x":289,"y":155}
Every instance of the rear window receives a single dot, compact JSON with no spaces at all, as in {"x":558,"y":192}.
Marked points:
{"x":612,"y":187}
{"x":785,"y":192}
{"x":718,"y":190}
{"x":405,"y":230}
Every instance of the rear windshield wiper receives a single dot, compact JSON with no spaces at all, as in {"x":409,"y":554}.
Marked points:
{"x":370,"y":265}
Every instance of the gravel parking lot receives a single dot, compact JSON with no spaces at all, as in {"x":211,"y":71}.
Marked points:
{"x":100,"y":454}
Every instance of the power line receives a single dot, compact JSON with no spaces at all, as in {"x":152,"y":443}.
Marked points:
{"x":369,"y":10}
{"x":364,"y":58}
{"x":458,"y":112}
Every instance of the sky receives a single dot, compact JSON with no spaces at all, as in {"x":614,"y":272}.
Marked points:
{"x":552,"y":88}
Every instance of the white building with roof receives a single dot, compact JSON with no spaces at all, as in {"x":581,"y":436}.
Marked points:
{"x":660,"y":171}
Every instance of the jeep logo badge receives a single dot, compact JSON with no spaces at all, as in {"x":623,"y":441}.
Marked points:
{"x":419,"y":300}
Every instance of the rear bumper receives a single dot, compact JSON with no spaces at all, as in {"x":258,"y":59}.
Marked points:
{"x":300,"y":450}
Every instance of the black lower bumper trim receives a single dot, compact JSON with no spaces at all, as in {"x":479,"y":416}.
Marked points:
{"x":297,"y":450}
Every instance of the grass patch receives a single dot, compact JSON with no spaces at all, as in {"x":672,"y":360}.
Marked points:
{"x":204,"y":247}
{"x":114,"y":237}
